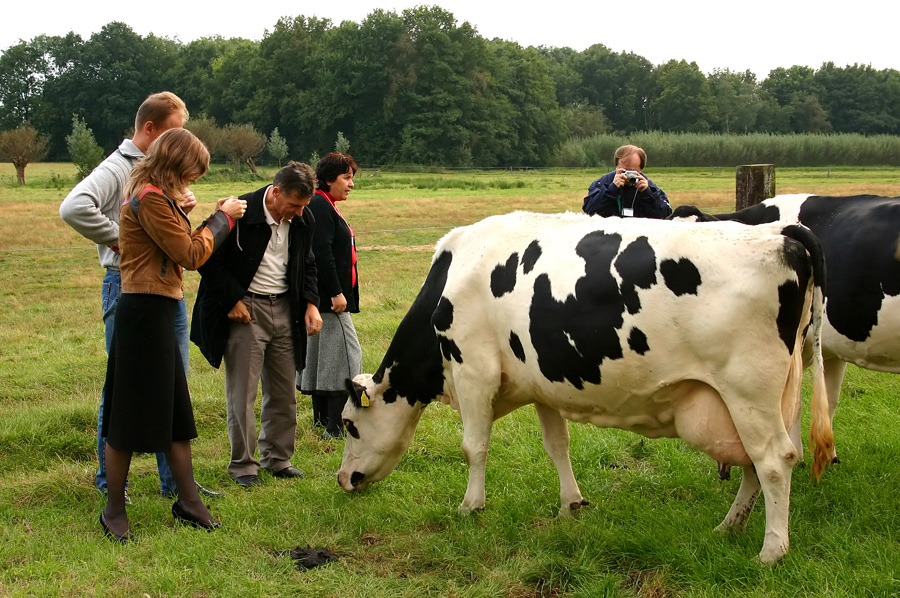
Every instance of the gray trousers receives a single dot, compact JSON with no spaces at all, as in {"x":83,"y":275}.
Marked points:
{"x":261,"y":350}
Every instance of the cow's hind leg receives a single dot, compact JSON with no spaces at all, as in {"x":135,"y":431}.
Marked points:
{"x":773,"y":456}
{"x":555,"y":431}
{"x":736,"y":519}
{"x":834,"y":370}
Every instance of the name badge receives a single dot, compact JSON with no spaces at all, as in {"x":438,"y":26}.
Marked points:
{"x":627,"y":211}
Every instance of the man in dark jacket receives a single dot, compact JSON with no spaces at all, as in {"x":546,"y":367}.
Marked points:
{"x":256,"y":304}
{"x":626,"y":191}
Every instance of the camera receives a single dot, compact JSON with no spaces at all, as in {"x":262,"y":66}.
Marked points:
{"x":631,"y":177}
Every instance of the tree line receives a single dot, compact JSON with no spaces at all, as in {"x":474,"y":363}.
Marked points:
{"x":419,"y":88}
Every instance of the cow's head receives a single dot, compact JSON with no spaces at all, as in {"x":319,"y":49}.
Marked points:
{"x":378,"y":431}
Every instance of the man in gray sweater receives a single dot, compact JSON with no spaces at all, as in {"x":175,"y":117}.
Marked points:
{"x":92,"y":209}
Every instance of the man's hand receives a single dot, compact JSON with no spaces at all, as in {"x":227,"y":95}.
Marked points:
{"x":189,"y":201}
{"x":313,"y":319}
{"x":239,"y":313}
{"x":641,"y":183}
{"x":619,"y":179}
{"x":338,"y":303}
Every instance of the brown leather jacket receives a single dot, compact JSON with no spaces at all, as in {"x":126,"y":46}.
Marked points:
{"x":156,"y":242}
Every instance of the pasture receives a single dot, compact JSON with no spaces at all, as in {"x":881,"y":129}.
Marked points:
{"x":654,"y":503}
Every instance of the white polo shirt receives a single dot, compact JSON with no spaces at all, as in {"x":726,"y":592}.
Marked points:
{"x":271,"y":276}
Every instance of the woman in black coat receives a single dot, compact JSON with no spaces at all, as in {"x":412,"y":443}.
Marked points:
{"x":334,"y":354}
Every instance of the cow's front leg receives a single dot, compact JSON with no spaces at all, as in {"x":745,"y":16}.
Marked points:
{"x":477,"y":421}
{"x":555,"y":431}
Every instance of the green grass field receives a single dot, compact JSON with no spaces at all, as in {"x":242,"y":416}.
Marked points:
{"x":647,"y":533}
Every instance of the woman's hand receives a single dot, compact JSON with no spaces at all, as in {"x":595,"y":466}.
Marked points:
{"x":312,"y":319}
{"x":338,"y":303}
{"x":232,"y":206}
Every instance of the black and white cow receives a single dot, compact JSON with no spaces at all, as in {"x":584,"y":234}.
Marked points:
{"x":627,"y":323}
{"x":860,"y":236}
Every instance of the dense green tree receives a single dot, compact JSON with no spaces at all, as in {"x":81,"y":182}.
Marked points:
{"x":192,"y":71}
{"x":621,"y":84}
{"x":23,"y":69}
{"x":860,"y":99}
{"x":684,"y":103}
{"x":737,"y":100}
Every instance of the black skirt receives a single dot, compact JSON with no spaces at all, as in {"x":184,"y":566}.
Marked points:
{"x":147,"y":405}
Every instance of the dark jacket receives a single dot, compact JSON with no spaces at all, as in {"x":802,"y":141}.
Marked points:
{"x":333,"y":247}
{"x":605,"y":199}
{"x":227,"y":275}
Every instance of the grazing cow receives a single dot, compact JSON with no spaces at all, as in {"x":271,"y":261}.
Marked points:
{"x":663,"y":328}
{"x":860,"y":237}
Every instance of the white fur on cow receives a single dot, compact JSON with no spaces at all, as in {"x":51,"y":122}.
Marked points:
{"x":663,"y":328}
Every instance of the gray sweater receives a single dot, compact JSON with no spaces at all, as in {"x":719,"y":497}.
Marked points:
{"x":92,"y":207}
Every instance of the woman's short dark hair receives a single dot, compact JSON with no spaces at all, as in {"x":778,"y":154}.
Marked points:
{"x":296,"y":179}
{"x":333,"y":165}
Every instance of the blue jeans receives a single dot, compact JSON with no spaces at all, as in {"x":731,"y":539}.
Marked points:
{"x":112,"y":286}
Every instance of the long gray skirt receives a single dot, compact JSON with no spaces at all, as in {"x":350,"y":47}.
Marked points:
{"x":332,"y":356}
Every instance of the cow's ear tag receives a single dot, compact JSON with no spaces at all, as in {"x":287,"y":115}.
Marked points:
{"x":364,"y":399}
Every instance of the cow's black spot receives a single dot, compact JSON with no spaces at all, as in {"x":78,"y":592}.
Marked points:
{"x":515,"y":343}
{"x":790,"y":309}
{"x":351,"y":429}
{"x":858,"y":236}
{"x":574,"y":336}
{"x":681,"y":277}
{"x":442,"y":318}
{"x":530,"y":257}
{"x":792,"y":294}
{"x":503,"y":277}
{"x":636,"y":266}
{"x":414,"y":355}
{"x":637,"y":342}
{"x":449,"y":349}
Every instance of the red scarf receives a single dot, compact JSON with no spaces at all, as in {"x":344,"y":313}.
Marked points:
{"x":331,"y":201}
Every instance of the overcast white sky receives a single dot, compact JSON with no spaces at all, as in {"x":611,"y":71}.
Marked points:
{"x":757,"y":34}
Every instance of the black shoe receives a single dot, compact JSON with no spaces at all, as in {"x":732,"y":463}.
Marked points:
{"x":126,"y":537}
{"x":288,"y":472}
{"x":183,"y":516}
{"x":247,"y":481}
{"x":207,"y":492}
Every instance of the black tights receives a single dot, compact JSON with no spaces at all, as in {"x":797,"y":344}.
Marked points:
{"x":327,"y":408}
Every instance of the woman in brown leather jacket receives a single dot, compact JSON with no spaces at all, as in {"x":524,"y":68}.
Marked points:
{"x":147,"y":407}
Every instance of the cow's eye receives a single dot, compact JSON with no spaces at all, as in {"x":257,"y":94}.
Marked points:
{"x":351,"y":429}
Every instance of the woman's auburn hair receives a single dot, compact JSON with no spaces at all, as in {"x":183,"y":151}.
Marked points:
{"x":175,"y":160}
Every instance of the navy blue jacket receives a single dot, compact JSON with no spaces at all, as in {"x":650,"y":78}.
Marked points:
{"x":605,"y":199}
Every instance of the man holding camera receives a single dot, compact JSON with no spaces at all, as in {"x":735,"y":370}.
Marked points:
{"x":625,"y":191}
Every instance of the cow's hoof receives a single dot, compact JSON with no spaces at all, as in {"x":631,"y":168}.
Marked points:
{"x":464,"y":510}
{"x":573,"y":508}
{"x":771,"y":558}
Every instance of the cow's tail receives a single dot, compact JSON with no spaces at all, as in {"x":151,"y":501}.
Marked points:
{"x":821,"y":436}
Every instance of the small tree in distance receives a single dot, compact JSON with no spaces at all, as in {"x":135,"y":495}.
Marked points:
{"x":242,"y":143}
{"x":342,"y":145}
{"x":21,"y":146}
{"x":207,"y":131}
{"x":277,"y":147}
{"x":83,"y":148}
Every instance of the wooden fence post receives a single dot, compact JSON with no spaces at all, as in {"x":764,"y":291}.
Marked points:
{"x":753,"y":183}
